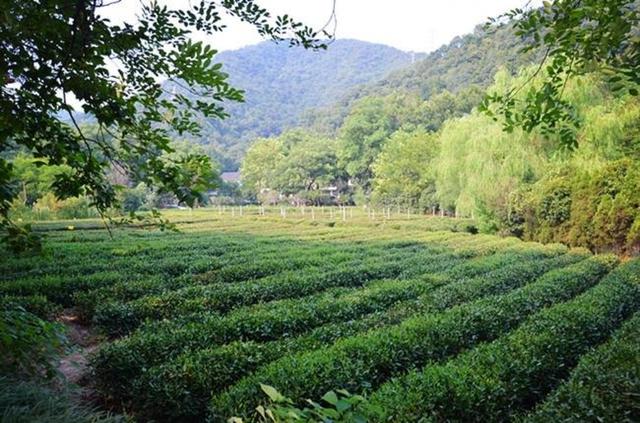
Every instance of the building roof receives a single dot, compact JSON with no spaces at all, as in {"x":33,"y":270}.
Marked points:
{"x":230,"y":176}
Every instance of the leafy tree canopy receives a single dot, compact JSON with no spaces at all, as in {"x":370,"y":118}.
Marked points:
{"x":295,"y":162}
{"x":403,"y":170}
{"x":576,"y":37}
{"x":56,"y":50}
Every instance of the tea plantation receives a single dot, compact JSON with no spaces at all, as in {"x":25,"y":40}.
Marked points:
{"x":429,"y":321}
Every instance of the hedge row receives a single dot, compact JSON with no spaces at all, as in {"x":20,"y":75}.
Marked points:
{"x":180,"y":389}
{"x":61,"y":288}
{"x":118,"y":363}
{"x":86,"y":302}
{"x":61,"y":279}
{"x":498,"y":281}
{"x":286,"y":318}
{"x":497,"y":381}
{"x":604,"y":387}
{"x":120,"y":318}
{"x":283,"y":312}
{"x":368,"y":360}
{"x":84,"y":260}
{"x":124,"y":317}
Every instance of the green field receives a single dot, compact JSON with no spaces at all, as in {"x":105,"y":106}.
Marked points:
{"x":427,"y":319}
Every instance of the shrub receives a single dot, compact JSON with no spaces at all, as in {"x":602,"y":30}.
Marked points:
{"x":597,"y":210}
{"x":604,"y":385}
{"x":37,"y":305}
{"x":28,"y":343}
{"x":236,"y":271}
{"x":340,"y":407}
{"x":181,"y":388}
{"x":497,"y":381}
{"x":119,"y":363}
{"x":118,"y":319}
{"x":367,"y":360}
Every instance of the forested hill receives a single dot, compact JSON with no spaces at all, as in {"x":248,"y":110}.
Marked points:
{"x":466,"y":60}
{"x":281,"y":82}
{"x":287,"y":87}
{"x":471,"y":59}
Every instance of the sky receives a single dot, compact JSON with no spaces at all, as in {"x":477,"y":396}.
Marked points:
{"x":409,"y":25}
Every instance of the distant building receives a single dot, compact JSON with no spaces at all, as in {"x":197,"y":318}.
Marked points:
{"x":231,"y":176}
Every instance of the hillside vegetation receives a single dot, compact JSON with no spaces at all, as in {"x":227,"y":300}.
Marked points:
{"x":286,"y":88}
{"x":372,"y":236}
{"x":280,"y":83}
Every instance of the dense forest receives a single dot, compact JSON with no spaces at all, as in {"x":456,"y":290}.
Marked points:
{"x":280,"y":83}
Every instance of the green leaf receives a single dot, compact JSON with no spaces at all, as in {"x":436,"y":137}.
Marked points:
{"x":342,"y":405}
{"x":272,"y":393}
{"x":331,"y":398}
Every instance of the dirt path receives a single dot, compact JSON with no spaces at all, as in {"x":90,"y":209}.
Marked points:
{"x":83,"y":342}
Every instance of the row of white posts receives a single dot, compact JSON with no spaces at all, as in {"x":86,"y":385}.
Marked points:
{"x":341,"y":212}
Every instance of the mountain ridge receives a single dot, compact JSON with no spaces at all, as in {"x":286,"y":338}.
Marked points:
{"x":281,"y":83}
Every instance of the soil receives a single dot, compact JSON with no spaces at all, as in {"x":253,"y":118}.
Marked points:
{"x":74,"y":365}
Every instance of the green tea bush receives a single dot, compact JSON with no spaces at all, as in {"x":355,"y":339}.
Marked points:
{"x":120,"y":362}
{"x":60,"y":289}
{"x":181,"y":388}
{"x":37,"y":305}
{"x":118,"y":318}
{"x":366,"y":361}
{"x":603,"y":387}
{"x":270,"y":265}
{"x":497,"y":381}
{"x":117,"y":364}
{"x":29,"y":344}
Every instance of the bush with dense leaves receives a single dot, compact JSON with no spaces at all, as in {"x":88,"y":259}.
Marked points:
{"x":603,"y":387}
{"x":29,"y":344}
{"x":367,"y":360}
{"x":497,"y":381}
{"x":183,"y":386}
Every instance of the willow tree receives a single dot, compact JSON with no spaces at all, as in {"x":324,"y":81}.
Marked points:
{"x":576,"y":37}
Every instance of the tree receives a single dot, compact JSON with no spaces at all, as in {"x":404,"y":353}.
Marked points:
{"x":445,"y":105}
{"x":404,"y":172}
{"x":261,"y":164}
{"x":296,"y":162}
{"x":479,"y":165}
{"x":309,"y":165}
{"x":53,"y":51}
{"x":577,"y":37}
{"x":33,"y":177}
{"x":369,"y":124}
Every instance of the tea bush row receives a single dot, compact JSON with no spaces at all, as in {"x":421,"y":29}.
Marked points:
{"x":603,"y":387}
{"x":366,"y":361}
{"x":500,"y":380}
{"x":120,"y":318}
